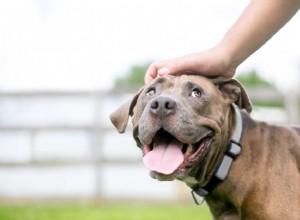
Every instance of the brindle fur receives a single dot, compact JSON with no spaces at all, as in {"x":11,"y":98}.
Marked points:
{"x":263,"y":182}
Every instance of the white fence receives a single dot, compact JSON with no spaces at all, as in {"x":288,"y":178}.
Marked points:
{"x":62,"y":145}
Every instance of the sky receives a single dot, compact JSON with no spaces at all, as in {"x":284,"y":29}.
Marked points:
{"x":85,"y":44}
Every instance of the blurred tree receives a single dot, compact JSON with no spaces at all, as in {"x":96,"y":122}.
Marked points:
{"x":133,"y":79}
{"x":252,"y":79}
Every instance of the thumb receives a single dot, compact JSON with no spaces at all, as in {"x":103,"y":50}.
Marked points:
{"x":163,"y":71}
{"x":171,"y":68}
{"x":151,"y":74}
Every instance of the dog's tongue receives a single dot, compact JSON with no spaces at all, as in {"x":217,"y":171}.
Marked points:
{"x":165,"y":157}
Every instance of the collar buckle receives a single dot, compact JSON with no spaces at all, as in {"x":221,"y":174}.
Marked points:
{"x":199,"y":192}
{"x":223,"y":168}
{"x":234,"y":149}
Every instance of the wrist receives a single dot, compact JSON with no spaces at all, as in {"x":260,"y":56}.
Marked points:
{"x":229,"y":59}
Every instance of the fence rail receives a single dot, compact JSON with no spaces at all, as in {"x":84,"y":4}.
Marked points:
{"x":98,"y":130}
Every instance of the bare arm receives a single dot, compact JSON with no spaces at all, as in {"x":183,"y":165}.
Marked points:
{"x":257,"y":24}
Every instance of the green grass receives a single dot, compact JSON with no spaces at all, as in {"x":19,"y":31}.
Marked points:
{"x":104,"y":212}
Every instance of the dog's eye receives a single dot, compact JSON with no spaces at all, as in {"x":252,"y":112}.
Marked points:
{"x":150,"y":92}
{"x":196,"y":93}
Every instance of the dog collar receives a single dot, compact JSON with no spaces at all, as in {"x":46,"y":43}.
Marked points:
{"x":222,"y":170}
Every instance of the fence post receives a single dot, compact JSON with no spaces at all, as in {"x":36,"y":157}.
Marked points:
{"x":97,"y":146}
{"x":291,"y":106}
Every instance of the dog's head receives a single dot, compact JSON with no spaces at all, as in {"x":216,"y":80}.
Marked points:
{"x":182,"y":124}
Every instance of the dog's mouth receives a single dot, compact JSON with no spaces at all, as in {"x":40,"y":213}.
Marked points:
{"x":167,"y":155}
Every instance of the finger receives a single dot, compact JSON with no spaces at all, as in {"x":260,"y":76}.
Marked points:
{"x":163,"y":71}
{"x":174,"y":67}
{"x":151,"y":74}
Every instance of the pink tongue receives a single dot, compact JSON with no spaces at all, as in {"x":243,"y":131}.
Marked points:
{"x":165,"y":158}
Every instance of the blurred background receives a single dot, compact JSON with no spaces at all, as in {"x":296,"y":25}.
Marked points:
{"x":66,"y":65}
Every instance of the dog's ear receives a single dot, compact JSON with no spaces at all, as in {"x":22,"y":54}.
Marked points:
{"x":120,"y":117}
{"x":234,"y":91}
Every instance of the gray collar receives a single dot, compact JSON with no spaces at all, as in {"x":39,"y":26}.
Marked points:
{"x":222,"y":170}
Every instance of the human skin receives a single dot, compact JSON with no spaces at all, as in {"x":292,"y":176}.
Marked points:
{"x":257,"y":24}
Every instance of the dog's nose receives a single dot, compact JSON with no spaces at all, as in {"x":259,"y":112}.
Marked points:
{"x":163,"y":106}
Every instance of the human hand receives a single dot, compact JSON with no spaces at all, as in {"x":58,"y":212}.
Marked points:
{"x":213,"y":62}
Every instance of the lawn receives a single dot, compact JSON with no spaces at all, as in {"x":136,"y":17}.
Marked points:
{"x":104,"y":212}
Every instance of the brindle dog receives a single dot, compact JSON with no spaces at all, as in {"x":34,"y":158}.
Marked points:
{"x":184,"y":125}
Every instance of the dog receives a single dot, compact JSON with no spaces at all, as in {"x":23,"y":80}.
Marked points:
{"x":199,"y":131}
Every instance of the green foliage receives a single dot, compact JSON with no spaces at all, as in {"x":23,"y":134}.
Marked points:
{"x":252,"y":79}
{"x":105,"y":211}
{"x":133,"y":79}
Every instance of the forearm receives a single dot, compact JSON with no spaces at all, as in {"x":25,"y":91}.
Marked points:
{"x":257,"y":24}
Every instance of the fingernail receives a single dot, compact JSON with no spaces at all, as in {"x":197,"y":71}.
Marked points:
{"x":163,"y":71}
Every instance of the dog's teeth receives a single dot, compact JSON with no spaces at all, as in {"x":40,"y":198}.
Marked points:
{"x":152,"y":174}
{"x":189,"y":149}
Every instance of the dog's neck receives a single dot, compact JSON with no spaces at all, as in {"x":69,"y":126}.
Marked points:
{"x":223,"y":167}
